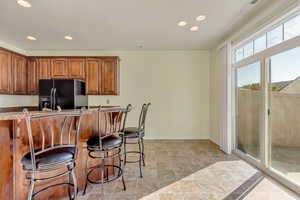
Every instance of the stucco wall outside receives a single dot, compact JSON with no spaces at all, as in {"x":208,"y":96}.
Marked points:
{"x":284,"y":119}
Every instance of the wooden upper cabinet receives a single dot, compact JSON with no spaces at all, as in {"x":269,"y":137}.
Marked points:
{"x":19,"y":71}
{"x":59,"y":68}
{"x":109,"y":76}
{"x":93,"y":69}
{"x":76,"y":68}
{"x":44,"y":68}
{"x":20,"y":74}
{"x":5,"y":72}
{"x":32,"y":76}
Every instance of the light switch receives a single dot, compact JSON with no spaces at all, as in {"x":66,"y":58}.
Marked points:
{"x":107,"y":101}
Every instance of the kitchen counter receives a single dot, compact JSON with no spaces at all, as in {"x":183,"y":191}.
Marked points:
{"x":16,"y":113}
{"x":21,"y":115}
{"x":14,"y":145}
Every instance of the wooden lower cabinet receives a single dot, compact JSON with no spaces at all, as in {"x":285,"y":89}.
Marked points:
{"x":19,"y":72}
{"x":5,"y":72}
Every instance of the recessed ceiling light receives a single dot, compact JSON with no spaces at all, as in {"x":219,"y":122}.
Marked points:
{"x":200,"y":18}
{"x":68,"y":37}
{"x":24,"y":3}
{"x":181,"y":23}
{"x":253,"y":2}
{"x":30,"y":37}
{"x":194,"y":28}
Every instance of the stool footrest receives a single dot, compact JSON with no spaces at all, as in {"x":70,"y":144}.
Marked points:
{"x":134,"y":161}
{"x":106,"y":180}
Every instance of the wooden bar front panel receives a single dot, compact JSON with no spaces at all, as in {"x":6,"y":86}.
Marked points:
{"x":6,"y":160}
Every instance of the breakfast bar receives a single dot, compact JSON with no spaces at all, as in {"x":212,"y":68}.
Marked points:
{"x":14,"y":145}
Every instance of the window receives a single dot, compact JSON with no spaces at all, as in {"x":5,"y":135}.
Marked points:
{"x":248,"y":108}
{"x":260,"y":44}
{"x":292,"y":28}
{"x":284,"y":31}
{"x":284,"y":104}
{"x":275,"y":36}
{"x":248,"y":49}
{"x":239,"y":54}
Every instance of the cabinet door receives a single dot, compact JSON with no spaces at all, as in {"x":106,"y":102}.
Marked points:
{"x":93,"y":68}
{"x":76,"y":68}
{"x":109,"y":76}
{"x":59,"y":68}
{"x":32,"y":74}
{"x":5,"y":72}
{"x":19,"y":71}
{"x":44,"y":67}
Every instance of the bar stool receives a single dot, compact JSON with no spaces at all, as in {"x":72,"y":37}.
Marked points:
{"x":53,"y":139}
{"x":107,"y":146}
{"x":137,"y":133}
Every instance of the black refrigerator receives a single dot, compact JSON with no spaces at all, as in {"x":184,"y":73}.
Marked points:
{"x":66,"y":93}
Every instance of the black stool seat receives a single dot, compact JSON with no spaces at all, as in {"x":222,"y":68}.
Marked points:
{"x":109,"y":142}
{"x":49,"y":157}
{"x":133,"y":132}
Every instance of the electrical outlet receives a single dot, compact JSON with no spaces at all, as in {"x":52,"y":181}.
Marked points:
{"x":107,"y":101}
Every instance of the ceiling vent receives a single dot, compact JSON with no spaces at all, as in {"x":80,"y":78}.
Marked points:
{"x":253,"y":2}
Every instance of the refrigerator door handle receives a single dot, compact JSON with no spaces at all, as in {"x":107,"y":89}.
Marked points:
{"x":54,"y":99}
{"x":51,"y":100}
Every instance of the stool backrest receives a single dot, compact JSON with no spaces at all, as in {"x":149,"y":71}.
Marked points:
{"x":142,"y":119}
{"x":47,"y":131}
{"x":112,"y":121}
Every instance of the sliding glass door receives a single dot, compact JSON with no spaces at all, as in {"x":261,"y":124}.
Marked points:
{"x":284,"y":94}
{"x":267,"y":100}
{"x":248,"y":93}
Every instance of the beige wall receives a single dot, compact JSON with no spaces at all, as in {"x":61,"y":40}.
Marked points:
{"x":175,"y":82}
{"x":16,"y":100}
{"x":284,"y":124}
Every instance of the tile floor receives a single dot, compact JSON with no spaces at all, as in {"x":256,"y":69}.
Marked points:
{"x":181,"y":170}
{"x":283,"y":159}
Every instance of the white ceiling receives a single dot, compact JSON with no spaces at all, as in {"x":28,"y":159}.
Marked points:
{"x":120,"y":24}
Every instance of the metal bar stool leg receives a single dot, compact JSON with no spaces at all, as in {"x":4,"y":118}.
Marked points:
{"x":143,"y":154}
{"x":125,"y":152}
{"x":86,"y":183}
{"x":86,"y":180}
{"x":75,"y":184}
{"x":69,"y":186}
{"x":107,"y":168}
{"x":31,"y":189}
{"x":140,"y":159}
{"x":122,"y":168}
{"x":102,"y":175}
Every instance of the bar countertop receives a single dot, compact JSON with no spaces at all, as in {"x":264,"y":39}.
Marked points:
{"x":18,"y":115}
